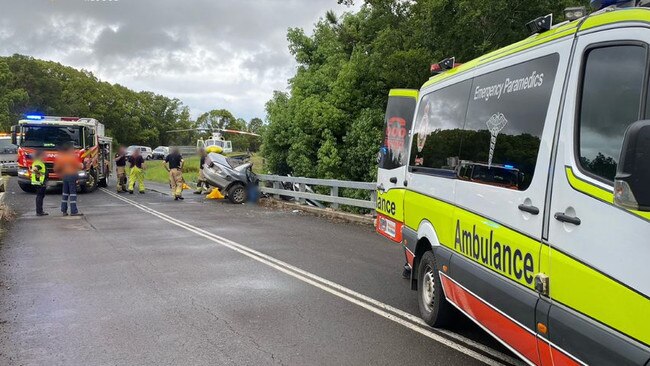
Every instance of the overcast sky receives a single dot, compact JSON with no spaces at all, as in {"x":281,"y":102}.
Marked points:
{"x":211,"y":54}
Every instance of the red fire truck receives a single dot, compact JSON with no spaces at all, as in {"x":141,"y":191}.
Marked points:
{"x":50,"y":134}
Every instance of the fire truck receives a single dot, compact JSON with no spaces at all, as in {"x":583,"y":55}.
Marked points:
{"x":51,"y":134}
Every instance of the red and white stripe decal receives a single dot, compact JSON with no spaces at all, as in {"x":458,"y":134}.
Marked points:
{"x":511,"y":333}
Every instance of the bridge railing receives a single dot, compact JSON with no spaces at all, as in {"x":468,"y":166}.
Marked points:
{"x":302,"y":194}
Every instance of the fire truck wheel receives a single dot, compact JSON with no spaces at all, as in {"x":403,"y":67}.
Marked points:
{"x":91,"y":185}
{"x":435,"y":310}
{"x":26,"y":187}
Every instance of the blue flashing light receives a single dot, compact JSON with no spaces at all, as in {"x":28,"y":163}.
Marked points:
{"x":509,"y":166}
{"x":601,"y":4}
{"x":34,"y":117}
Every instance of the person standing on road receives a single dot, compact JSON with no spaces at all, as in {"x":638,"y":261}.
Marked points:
{"x":174,"y":165}
{"x":136,"y":162}
{"x":39,"y":181}
{"x":120,"y":168}
{"x":68,"y":166}
{"x":201,"y":185}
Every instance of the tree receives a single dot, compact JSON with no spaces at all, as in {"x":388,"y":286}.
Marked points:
{"x":349,"y":63}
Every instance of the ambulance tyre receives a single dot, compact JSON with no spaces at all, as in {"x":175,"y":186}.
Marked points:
{"x":27,"y":187}
{"x":237,"y":193}
{"x":435,"y":310}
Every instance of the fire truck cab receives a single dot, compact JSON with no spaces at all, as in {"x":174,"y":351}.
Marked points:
{"x":51,"y":134}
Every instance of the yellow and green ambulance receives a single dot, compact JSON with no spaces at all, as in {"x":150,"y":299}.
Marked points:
{"x":519,"y":186}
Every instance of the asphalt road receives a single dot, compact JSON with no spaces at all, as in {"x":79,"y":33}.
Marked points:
{"x":145,"y":280}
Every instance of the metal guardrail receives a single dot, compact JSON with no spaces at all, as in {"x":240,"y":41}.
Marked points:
{"x":302,"y":194}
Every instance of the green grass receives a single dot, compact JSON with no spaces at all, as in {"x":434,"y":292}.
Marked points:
{"x":155,"y":169}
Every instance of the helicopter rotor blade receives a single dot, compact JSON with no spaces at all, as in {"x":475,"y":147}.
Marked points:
{"x":239,"y":132}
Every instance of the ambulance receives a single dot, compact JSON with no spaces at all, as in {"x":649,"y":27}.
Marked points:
{"x":519,"y":186}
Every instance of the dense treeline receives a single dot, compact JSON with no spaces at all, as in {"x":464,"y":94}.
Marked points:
{"x":29,"y":85}
{"x":330,"y":124}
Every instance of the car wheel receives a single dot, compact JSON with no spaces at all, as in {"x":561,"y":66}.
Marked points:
{"x":435,"y":310}
{"x":27,"y":187}
{"x":237,"y":194}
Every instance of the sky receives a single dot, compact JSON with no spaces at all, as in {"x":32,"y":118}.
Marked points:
{"x":211,"y":54}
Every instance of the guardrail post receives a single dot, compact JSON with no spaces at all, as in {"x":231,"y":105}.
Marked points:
{"x":373,"y":197}
{"x":302,"y":188}
{"x":334,"y":191}
{"x":276,"y":185}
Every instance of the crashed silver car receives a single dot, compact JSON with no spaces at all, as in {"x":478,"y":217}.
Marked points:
{"x":231,"y":176}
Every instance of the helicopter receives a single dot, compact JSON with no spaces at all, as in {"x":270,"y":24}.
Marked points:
{"x":216,"y":141}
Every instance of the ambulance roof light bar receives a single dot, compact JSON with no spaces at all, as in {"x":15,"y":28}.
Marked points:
{"x":602,"y":4}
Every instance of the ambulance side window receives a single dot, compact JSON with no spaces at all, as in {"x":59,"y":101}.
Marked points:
{"x":505,"y":120}
{"x":612,"y":88}
{"x":437,"y":130}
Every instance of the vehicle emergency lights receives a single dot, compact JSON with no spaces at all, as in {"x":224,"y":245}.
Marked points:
{"x":575,"y":13}
{"x":601,"y":4}
{"x":541,"y":24}
{"x":444,"y":65}
{"x":34,"y":117}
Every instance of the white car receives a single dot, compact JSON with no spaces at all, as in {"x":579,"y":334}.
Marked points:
{"x":160,"y":152}
{"x":145,"y":151}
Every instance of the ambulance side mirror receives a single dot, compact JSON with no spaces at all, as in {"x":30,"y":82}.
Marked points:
{"x":14,"y":135}
{"x":632,"y":183}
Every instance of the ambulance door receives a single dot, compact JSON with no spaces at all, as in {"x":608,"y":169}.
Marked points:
{"x":393,"y":158}
{"x":501,"y":190}
{"x":598,"y":253}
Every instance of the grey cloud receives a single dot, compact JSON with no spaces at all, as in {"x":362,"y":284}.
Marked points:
{"x":210,"y":53}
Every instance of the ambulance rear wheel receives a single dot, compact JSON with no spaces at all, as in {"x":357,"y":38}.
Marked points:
{"x":435,"y":310}
{"x":27,"y":187}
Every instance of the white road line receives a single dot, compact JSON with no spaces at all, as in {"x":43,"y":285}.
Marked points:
{"x":405,"y":319}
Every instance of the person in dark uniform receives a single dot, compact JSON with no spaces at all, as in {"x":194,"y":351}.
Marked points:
{"x":120,"y":168}
{"x":174,"y":165}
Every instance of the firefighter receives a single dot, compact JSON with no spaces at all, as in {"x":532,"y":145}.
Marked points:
{"x":68,"y":166}
{"x":39,"y":181}
{"x":136,"y":163}
{"x":174,"y":165}
{"x":201,"y":185}
{"x":120,"y":168}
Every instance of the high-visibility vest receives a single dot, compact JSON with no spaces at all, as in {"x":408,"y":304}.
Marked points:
{"x":38,"y":178}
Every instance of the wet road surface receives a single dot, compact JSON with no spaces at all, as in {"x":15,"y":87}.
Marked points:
{"x":142,"y":279}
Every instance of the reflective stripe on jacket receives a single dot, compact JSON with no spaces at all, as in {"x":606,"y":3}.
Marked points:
{"x":39,"y":171}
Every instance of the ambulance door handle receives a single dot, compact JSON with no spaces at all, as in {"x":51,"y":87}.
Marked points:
{"x":562,"y":217}
{"x":393,"y":180}
{"x":530,"y":209}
